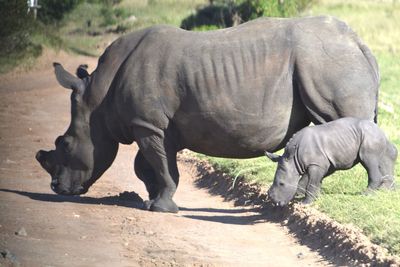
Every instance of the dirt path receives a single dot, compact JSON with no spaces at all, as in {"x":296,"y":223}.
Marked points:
{"x":106,"y":227}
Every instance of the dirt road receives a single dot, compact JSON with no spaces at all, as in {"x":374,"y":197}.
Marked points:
{"x":106,"y":227}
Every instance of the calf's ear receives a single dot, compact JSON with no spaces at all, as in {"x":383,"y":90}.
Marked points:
{"x":272,"y":156}
{"x":66,"y":79}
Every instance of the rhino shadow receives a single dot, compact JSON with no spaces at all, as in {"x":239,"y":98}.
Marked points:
{"x":125,"y":199}
{"x":239,"y":216}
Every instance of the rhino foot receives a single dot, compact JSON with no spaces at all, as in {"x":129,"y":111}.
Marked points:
{"x":307,"y":201}
{"x":162,"y":205}
{"x":147,"y":204}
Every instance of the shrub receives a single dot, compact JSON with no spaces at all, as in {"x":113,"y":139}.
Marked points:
{"x":15,"y":34}
{"x":15,"y":26}
{"x":226,"y":13}
{"x":52,"y":11}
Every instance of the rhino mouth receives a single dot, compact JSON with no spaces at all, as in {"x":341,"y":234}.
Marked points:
{"x":277,"y":200}
{"x":62,"y":190}
{"x":58,"y":173}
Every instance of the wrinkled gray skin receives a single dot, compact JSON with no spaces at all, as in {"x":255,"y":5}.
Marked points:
{"x":232,"y":93}
{"x":316,"y":152}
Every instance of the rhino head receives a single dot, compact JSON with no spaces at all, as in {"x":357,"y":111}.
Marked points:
{"x":85,"y":151}
{"x":286,"y":179}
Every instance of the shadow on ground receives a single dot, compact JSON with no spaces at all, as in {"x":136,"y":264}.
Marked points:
{"x":254,"y":199}
{"x":242,"y":216}
{"x":125,"y":199}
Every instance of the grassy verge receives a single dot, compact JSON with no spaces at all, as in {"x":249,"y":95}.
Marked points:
{"x":378,"y":215}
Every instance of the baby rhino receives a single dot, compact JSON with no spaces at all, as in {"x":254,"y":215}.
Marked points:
{"x":316,"y":152}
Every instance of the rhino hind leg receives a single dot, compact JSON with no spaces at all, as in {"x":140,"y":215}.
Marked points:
{"x":162,"y":159}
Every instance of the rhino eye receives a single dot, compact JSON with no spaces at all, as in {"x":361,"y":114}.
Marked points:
{"x":281,"y":183}
{"x":58,"y":140}
{"x":67,"y":144}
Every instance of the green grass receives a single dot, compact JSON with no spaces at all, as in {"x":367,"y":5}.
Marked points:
{"x":37,"y":38}
{"x":91,"y":27}
{"x":377,"y":215}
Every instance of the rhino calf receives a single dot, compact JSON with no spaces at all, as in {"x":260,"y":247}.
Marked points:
{"x":316,"y":152}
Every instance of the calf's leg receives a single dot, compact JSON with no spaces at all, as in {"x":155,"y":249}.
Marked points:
{"x":375,"y":178}
{"x":315,"y":175}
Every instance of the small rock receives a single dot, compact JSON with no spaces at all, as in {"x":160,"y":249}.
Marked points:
{"x":21,"y":232}
{"x":300,"y":255}
{"x":7,"y":255}
{"x":132,"y":19}
{"x":8,"y":161}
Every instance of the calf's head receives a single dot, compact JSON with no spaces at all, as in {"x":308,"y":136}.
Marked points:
{"x":84,"y":152}
{"x":286,"y":179}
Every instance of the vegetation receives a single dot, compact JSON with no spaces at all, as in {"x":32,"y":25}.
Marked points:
{"x":226,"y":13}
{"x":15,"y":41}
{"x":377,"y":215}
{"x":93,"y":24}
{"x":84,"y":27}
{"x":88,"y":26}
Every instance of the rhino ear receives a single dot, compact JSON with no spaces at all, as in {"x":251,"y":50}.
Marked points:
{"x":66,"y":79}
{"x":272,"y":156}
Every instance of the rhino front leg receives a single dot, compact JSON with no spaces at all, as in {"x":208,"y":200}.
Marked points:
{"x":375,"y":178}
{"x":315,"y":175}
{"x":145,"y":172}
{"x":302,"y":186}
{"x":160,"y":154}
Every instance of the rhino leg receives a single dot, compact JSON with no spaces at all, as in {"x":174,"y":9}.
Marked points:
{"x":315,"y":174}
{"x":160,"y":155}
{"x":145,"y":172}
{"x":301,"y":187}
{"x":375,"y":178}
{"x":371,"y":157}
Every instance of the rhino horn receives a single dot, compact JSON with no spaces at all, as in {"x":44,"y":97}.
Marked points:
{"x":66,"y":79}
{"x":272,"y":156}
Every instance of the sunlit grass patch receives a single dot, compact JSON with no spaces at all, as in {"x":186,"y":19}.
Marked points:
{"x":342,"y":198}
{"x":378,"y":214}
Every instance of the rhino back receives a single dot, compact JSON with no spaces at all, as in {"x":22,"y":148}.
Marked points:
{"x":108,"y":65}
{"x":228,"y":92}
{"x":335,"y":144}
{"x":334,"y":66}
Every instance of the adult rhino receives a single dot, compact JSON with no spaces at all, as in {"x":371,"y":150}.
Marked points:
{"x":234,"y":93}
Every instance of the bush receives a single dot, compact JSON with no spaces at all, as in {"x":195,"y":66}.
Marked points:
{"x":226,"y":13}
{"x":15,"y":34}
{"x":15,"y":27}
{"x":52,"y":11}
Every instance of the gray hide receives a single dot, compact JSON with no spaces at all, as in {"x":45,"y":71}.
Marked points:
{"x":235,"y":93}
{"x":316,"y":152}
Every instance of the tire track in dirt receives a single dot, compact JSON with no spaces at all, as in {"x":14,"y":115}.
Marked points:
{"x":106,"y":227}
